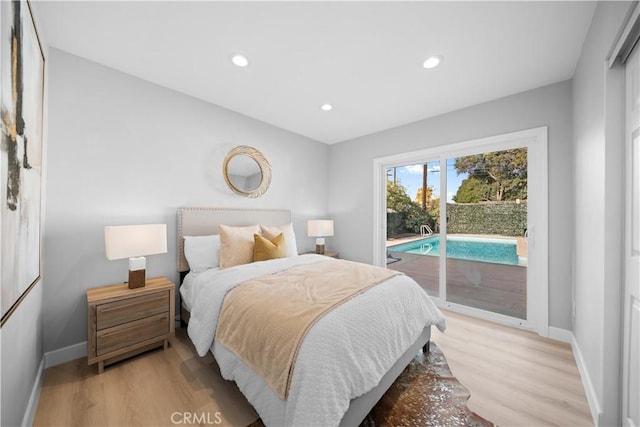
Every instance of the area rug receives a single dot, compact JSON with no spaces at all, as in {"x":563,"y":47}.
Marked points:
{"x":391,"y":260}
{"x":426,"y":394}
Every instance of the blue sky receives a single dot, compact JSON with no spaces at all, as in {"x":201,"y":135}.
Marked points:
{"x":410,"y":176}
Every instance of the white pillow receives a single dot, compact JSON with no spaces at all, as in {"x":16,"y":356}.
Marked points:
{"x":202,"y":252}
{"x":289,"y":236}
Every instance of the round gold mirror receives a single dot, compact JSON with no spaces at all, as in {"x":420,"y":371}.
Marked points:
{"x":247,"y":172}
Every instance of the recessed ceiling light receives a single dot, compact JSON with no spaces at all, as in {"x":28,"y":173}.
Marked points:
{"x":240,"y":60}
{"x":432,"y":61}
{"x":326,"y":107}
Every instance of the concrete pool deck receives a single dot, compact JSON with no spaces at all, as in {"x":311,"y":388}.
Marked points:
{"x":494,"y":287}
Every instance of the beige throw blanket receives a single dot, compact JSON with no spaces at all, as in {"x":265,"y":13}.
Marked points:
{"x":264,"y":320}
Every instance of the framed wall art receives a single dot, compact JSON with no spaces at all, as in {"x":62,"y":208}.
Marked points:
{"x":21,"y":109}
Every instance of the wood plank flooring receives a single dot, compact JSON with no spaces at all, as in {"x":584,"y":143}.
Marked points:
{"x":515,"y":377}
{"x":158,"y":388}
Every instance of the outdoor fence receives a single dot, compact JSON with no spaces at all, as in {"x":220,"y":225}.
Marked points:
{"x":507,"y":218}
{"x":503,"y":218}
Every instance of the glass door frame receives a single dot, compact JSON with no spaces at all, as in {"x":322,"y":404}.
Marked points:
{"x":537,"y":217}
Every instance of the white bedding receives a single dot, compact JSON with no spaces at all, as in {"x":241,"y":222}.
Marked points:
{"x":342,"y":357}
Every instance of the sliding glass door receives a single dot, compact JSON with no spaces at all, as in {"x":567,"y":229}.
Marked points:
{"x":460,"y":221}
{"x":486,"y":223}
{"x":413,"y":222}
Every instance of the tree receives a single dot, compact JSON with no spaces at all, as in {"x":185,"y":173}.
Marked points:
{"x":504,"y":172}
{"x":473,"y":190}
{"x":429,"y":195}
{"x":433,"y":203}
{"x":432,"y":210}
{"x":409,"y":214}
{"x":397,"y":198}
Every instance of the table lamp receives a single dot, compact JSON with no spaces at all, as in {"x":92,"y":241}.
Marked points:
{"x":320,"y":228}
{"x":134,"y":242}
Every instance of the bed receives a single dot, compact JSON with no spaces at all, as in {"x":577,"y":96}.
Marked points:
{"x":347,"y":360}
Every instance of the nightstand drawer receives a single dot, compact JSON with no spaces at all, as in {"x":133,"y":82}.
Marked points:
{"x":125,"y":311}
{"x":122,"y":322}
{"x":121,"y":336}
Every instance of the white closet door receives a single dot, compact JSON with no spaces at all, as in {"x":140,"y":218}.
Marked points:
{"x":631,"y":358}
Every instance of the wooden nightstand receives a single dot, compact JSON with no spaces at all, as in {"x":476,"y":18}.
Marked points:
{"x":123,"y":322}
{"x":332,"y":254}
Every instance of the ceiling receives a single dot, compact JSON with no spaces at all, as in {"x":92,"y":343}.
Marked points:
{"x":364,"y":58}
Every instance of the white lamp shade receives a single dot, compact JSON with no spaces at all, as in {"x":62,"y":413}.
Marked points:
{"x":319,"y":227}
{"x":128,"y":241}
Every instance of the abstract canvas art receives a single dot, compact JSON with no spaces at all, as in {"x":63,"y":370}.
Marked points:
{"x":21,"y":109}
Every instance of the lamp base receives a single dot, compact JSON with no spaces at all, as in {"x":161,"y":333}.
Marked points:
{"x":136,"y":279}
{"x":320,"y":249}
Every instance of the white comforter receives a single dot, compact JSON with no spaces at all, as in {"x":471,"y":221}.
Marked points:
{"x":342,"y":357}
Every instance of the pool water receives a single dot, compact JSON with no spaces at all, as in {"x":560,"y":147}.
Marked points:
{"x":499,"y":251}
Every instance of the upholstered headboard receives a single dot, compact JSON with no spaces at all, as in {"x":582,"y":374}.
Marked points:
{"x":202,"y":221}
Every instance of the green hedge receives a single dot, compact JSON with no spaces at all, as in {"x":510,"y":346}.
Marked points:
{"x":503,"y":218}
{"x":399,"y":223}
{"x":396,"y":224}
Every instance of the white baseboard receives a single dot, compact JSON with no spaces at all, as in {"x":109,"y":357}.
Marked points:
{"x":30,"y":411}
{"x":76,"y":351}
{"x":51,"y":358}
{"x":562,"y":335}
{"x":592,"y":397}
{"x":72,"y":352}
{"x":566,"y":336}
{"x":65,"y":354}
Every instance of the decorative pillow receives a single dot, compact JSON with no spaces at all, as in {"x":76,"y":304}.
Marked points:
{"x":202,"y":252}
{"x":265,"y":249}
{"x":236,"y":245}
{"x":289,"y":236}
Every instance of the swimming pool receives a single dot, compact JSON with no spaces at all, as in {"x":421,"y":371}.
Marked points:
{"x":499,"y":251}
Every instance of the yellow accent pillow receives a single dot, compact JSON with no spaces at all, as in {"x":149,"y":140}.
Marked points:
{"x":289,"y":236}
{"x":264,"y":249}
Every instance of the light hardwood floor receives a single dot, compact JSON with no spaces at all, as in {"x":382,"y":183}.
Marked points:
{"x":515,"y":378}
{"x":157,"y":388}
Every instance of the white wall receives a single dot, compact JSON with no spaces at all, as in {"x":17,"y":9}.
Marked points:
{"x":21,"y":351}
{"x":22,"y":354}
{"x":351,"y":172}
{"x":598,"y":160}
{"x":125,"y":151}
